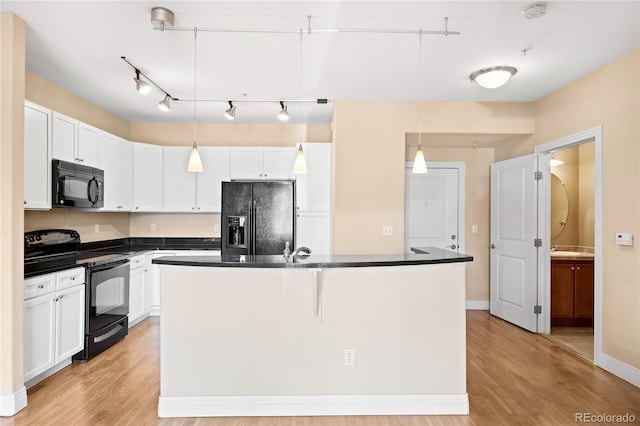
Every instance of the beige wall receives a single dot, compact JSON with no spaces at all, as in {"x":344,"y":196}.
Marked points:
{"x":587,"y":195}
{"x":12,"y":64}
{"x":477,"y":207}
{"x":175,"y":225}
{"x":369,"y":151}
{"x":110,"y":225}
{"x":609,"y":96}
{"x":229,"y":134}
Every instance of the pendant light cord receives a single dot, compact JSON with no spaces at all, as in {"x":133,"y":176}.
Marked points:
{"x":419,"y":80}
{"x":300,"y":87}
{"x":195,"y":76}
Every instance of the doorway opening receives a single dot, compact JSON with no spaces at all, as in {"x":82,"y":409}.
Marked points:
{"x":572,"y":228}
{"x":570,"y":262}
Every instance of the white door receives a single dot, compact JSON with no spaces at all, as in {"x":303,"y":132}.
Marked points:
{"x":147,"y":178}
{"x":278,"y":162}
{"x":215,"y":161}
{"x":513,"y":273}
{"x":179,"y":189}
{"x":37,"y":157}
{"x":313,"y":230}
{"x":39,"y":335}
{"x":431,"y":209}
{"x":245,"y":163}
{"x":70,"y":322}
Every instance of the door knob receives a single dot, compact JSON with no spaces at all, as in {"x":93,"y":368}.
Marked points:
{"x":492,"y":246}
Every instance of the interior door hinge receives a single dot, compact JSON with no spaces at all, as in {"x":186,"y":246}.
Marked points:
{"x":537,"y":242}
{"x":537,"y":309}
{"x":537,"y":175}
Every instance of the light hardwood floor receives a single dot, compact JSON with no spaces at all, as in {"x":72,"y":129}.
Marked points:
{"x":514,"y":378}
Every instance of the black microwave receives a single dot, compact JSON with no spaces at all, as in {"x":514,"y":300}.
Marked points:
{"x":75,"y":185}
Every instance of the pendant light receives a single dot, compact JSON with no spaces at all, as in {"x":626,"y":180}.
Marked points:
{"x":419,"y":164}
{"x":195,"y":163}
{"x":300,"y":165}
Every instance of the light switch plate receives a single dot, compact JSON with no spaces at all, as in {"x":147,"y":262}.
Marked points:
{"x":624,"y":239}
{"x":387,"y":231}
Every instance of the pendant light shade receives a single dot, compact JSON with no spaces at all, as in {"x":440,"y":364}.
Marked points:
{"x":195,"y":163}
{"x":419,"y":164}
{"x":300,"y":165}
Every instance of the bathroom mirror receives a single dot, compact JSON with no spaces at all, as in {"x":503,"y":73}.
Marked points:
{"x":559,"y":206}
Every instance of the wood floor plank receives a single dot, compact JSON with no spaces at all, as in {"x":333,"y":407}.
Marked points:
{"x":513,"y":378}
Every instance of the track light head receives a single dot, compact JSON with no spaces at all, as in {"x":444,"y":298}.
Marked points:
{"x":283,"y":115}
{"x":141,"y":86}
{"x":230,"y":113}
{"x":165,"y":104}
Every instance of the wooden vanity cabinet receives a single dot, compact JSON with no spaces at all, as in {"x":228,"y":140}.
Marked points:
{"x":571,"y":293}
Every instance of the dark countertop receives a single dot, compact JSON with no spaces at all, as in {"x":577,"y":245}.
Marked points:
{"x":126,"y":247}
{"x":428,"y":256}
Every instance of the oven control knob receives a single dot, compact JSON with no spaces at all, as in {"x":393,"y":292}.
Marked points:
{"x":38,"y":237}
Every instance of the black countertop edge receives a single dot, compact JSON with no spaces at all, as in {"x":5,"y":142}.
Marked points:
{"x":434,"y":256}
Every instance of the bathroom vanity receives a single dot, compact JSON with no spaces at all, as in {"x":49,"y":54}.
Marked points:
{"x":571,"y":289}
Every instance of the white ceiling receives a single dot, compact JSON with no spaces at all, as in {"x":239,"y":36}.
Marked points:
{"x":78,"y":44}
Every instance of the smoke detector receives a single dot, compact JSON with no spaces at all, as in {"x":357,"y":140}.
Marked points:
{"x":161,"y":18}
{"x":534,"y":10}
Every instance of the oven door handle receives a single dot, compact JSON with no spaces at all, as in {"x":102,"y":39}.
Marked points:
{"x":109,"y":265}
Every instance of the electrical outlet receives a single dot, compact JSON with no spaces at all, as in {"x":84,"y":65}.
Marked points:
{"x":387,"y":231}
{"x":349,"y":357}
{"x":474,"y":229}
{"x":97,"y":227}
{"x":153,"y":227}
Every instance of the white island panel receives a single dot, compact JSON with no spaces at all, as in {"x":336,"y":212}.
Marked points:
{"x":268,"y":341}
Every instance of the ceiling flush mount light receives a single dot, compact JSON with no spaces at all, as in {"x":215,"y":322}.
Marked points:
{"x":165,"y":104}
{"x":195,"y":163}
{"x":283,"y":115}
{"x":162,"y":18}
{"x":141,"y":86}
{"x":230,"y":114}
{"x":493,"y":77}
{"x":555,"y":161}
{"x":534,"y":10}
{"x":419,"y":164}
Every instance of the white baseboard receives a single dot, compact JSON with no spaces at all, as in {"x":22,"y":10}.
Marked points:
{"x":10,"y":404}
{"x":620,"y":369}
{"x":50,"y":372}
{"x":312,"y":405}
{"x":155,"y":311}
{"x":477,"y":305}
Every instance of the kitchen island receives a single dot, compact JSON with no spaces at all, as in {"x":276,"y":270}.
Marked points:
{"x":325,"y":335}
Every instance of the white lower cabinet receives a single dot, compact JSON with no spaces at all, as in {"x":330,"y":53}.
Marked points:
{"x":313,"y":230}
{"x":153,"y":276}
{"x":137,"y":290}
{"x":54,"y":314}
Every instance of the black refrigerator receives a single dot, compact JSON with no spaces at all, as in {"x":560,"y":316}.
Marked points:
{"x":258,"y":217}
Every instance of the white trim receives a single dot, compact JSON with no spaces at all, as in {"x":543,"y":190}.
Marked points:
{"x":477,"y":305}
{"x":10,"y":404}
{"x":313,"y":405}
{"x":50,"y":372}
{"x":620,"y":369}
{"x":544,"y":283}
{"x":461,"y":167}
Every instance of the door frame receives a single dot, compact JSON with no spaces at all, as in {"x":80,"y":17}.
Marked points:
{"x":460,"y":166}
{"x":544,"y":230}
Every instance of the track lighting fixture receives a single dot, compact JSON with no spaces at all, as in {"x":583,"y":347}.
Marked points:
{"x":165,"y":104}
{"x":283,"y":115}
{"x":230,"y":114}
{"x":493,"y":77}
{"x":141,"y":86}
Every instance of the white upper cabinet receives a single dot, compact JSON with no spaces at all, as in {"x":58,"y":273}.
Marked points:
{"x":313,"y":230}
{"x":261,"y":163}
{"x":147,"y":177}
{"x":74,"y":141}
{"x":313,"y":189}
{"x":116,"y":159}
{"x":179,"y":192}
{"x":215,"y":161}
{"x":37,"y":157}
{"x":200,"y":192}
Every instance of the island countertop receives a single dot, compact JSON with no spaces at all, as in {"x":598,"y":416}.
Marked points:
{"x":427,"y":255}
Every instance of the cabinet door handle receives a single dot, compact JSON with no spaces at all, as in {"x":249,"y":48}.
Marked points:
{"x":40,"y":285}
{"x":25,"y":202}
{"x":578,"y":268}
{"x":572,"y":268}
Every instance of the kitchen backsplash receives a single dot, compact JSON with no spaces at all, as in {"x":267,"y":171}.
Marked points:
{"x":98,"y":226}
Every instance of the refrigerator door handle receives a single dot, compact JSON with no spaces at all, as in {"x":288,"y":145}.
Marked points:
{"x":253,"y":230}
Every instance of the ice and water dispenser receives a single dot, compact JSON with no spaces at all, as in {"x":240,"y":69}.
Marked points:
{"x":236,"y":231}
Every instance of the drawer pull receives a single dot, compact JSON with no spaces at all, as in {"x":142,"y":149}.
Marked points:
{"x":40,"y":285}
